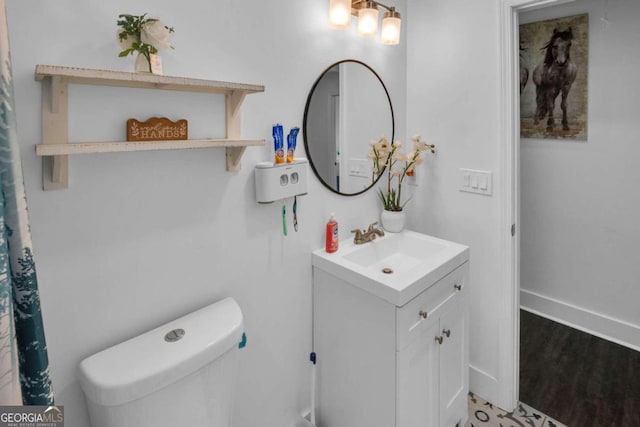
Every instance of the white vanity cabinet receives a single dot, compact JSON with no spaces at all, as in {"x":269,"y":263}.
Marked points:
{"x":382,"y":365}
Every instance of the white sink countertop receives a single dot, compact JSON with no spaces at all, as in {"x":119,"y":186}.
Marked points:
{"x":416,"y":260}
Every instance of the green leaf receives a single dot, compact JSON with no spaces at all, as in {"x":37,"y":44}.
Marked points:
{"x":132,"y":27}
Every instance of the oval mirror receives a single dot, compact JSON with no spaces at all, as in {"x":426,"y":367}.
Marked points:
{"x":347,"y":108}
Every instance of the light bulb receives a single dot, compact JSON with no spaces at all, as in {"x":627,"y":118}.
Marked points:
{"x":368,"y":20}
{"x":391,"y":24}
{"x":340,"y":14}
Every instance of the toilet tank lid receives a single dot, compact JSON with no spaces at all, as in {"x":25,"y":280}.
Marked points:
{"x":147,"y":363}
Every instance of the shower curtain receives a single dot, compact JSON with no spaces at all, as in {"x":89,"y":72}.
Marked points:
{"x":24,"y":367}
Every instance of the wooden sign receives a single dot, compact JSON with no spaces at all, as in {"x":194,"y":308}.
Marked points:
{"x":157,"y":129}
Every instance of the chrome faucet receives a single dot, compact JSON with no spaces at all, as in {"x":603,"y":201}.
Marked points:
{"x":370,"y":234}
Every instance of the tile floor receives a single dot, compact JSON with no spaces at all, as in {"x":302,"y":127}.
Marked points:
{"x":484,"y":414}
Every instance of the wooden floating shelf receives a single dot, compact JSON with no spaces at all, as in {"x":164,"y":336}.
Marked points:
{"x":120,"y":147}
{"x":55,"y":148}
{"x":140,"y":80}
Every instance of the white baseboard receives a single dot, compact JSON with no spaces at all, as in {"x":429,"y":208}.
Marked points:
{"x":483,"y":384}
{"x":606,"y":327}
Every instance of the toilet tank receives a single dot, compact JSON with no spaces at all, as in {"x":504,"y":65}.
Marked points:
{"x":180,"y":374}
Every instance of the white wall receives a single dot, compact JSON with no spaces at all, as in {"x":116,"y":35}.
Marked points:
{"x":580,"y":200}
{"x":141,"y":238}
{"x":453,"y":102}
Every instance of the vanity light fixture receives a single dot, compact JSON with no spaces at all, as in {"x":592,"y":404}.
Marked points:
{"x":340,"y":12}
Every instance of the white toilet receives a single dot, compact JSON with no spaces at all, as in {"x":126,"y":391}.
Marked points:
{"x":180,"y":374}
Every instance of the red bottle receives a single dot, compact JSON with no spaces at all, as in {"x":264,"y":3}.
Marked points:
{"x":331,"y":244}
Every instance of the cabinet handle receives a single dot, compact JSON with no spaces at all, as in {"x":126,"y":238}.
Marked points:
{"x":423,"y":314}
{"x":439,"y":339}
{"x":446,"y":332}
{"x":457,"y":287}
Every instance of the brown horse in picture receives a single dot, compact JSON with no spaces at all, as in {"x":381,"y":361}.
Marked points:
{"x":524,"y":71}
{"x":554,"y":75}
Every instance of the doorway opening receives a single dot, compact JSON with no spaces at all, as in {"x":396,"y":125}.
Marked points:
{"x":579,"y":333}
{"x":509,"y":333}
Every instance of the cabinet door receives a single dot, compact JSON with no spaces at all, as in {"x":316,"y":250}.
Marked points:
{"x":454,"y":365}
{"x":417,"y":376}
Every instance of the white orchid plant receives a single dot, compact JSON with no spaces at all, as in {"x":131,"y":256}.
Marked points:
{"x":143,"y":35}
{"x":397,"y":164}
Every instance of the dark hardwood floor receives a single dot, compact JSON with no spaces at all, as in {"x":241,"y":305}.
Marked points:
{"x":576,"y":378}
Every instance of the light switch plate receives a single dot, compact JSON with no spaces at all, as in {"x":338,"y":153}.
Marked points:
{"x":360,"y":168}
{"x":476,"y":181}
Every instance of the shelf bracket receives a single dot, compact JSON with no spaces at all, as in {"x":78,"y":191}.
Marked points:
{"x":58,"y":91}
{"x":234,"y":100}
{"x":55,"y":130}
{"x":234,"y":155}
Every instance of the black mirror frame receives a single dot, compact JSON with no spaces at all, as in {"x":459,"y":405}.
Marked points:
{"x":304,"y":125}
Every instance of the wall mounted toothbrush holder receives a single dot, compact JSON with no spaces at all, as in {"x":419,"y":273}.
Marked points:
{"x":281,"y":181}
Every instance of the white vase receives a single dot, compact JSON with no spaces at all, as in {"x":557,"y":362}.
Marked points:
{"x":142,"y":65}
{"x":393,"y":221}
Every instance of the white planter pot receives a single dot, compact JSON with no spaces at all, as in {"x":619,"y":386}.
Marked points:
{"x":393,"y":221}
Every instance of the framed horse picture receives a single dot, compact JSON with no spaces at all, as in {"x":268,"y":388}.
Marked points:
{"x":554,"y":58}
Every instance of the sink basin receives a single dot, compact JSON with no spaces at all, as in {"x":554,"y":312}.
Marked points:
{"x":396,"y":267}
{"x":399,"y":251}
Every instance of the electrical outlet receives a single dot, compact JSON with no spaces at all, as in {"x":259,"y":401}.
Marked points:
{"x":476,"y":181}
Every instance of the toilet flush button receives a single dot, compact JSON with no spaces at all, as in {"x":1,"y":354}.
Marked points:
{"x":174,"y":335}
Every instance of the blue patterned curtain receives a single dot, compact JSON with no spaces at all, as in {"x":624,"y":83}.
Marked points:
{"x":24,"y":367}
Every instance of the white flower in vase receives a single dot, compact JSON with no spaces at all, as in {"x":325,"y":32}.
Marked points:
{"x":145,"y":36}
